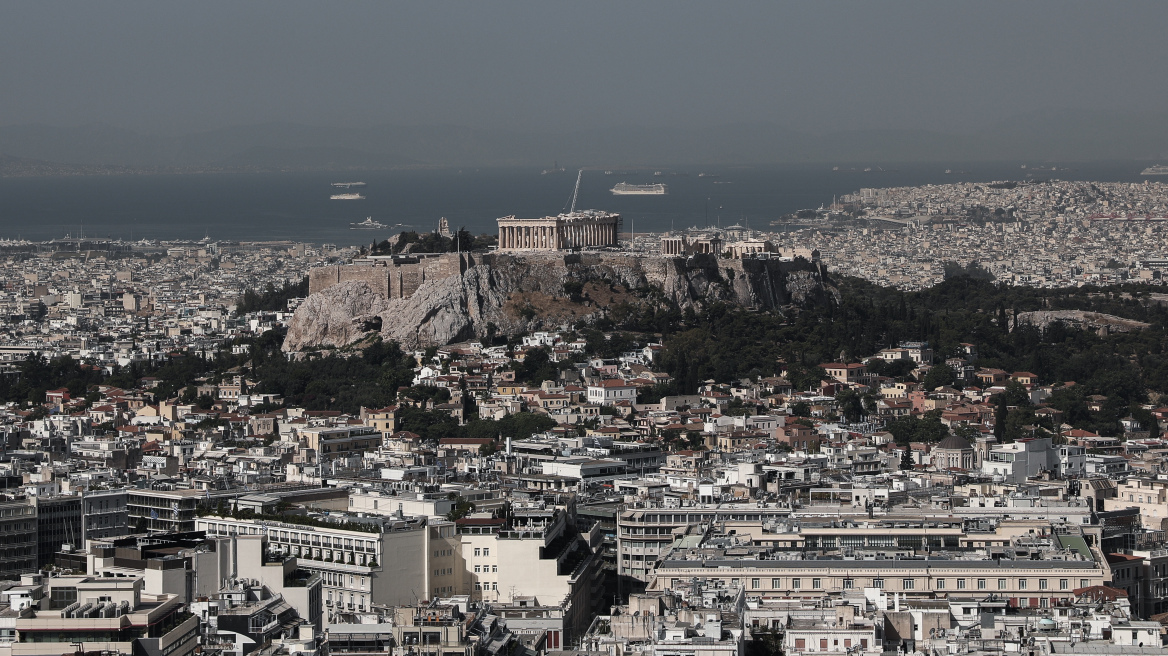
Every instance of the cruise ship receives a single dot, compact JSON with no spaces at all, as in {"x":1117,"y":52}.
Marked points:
{"x":626,"y":189}
{"x":346,"y":197}
{"x":1158,"y":169}
{"x":367,"y":224}
{"x":346,"y":185}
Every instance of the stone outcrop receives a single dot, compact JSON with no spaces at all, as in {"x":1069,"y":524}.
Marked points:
{"x":509,"y":294}
{"x":1091,"y":320}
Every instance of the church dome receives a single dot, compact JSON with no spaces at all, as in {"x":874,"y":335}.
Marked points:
{"x":954,"y":443}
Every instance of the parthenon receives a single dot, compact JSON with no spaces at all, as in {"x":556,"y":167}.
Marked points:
{"x":582,"y":229}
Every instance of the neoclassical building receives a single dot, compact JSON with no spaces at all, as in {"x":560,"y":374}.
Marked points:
{"x":954,"y":452}
{"x":582,"y":229}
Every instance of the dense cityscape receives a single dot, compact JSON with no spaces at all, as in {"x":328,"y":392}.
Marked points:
{"x":177,"y":479}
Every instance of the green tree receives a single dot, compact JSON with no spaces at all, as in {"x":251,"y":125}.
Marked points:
{"x":906,"y":459}
{"x":938,"y":376}
{"x":461,"y":508}
{"x":851,"y":405}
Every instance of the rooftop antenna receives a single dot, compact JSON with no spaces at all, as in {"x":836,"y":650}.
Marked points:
{"x":576,"y":191}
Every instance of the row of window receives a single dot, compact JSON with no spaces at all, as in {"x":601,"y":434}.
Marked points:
{"x":335,"y":579}
{"x":293,"y":537}
{"x":801,"y":643}
{"x":341,"y":600}
{"x":486,"y":551}
{"x":906,"y":584}
{"x":486,"y":569}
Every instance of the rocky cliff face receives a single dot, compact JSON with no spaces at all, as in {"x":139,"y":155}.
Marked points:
{"x":509,"y":294}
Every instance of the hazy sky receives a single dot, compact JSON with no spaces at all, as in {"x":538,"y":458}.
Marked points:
{"x":157,"y":66}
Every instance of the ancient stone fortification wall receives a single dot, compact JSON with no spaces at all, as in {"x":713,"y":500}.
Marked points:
{"x":760,"y":283}
{"x":449,"y":307}
{"x":392,"y":278}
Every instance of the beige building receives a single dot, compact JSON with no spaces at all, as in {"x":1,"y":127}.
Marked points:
{"x":534,"y":553}
{"x":581,"y":229}
{"x":108,"y":615}
{"x":1028,"y":583}
{"x":389,"y":563}
{"x":1149,"y":495}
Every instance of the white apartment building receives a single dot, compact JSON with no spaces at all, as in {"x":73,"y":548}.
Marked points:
{"x":391,"y":562}
{"x":611,"y":392}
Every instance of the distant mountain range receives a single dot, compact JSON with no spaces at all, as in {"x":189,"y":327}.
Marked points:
{"x":1052,"y":136}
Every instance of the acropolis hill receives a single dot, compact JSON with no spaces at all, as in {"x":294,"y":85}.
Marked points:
{"x":424,"y":299}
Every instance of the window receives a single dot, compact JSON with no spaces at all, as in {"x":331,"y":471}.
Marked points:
{"x":776,"y":584}
{"x":477,"y":550}
{"x":486,"y":551}
{"x":494,"y":568}
{"x":755,"y":584}
{"x":981,"y":584}
{"x":1021,"y":584}
{"x":1001,"y":584}
{"x":1041,"y":584}
{"x":960,"y":584}
{"x":877,"y":583}
{"x":796,"y":583}
{"x":1083,"y":583}
{"x":476,"y":569}
{"x":816,"y":584}
{"x":1063,"y":584}
{"x":940,"y":584}
{"x":823,"y":644}
{"x":849,"y":584}
{"x":800,"y":643}
{"x":478,"y":585}
{"x":495,"y":585}
{"x":908,"y":584}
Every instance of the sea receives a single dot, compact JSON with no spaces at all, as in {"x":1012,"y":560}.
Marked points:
{"x":295,"y":206}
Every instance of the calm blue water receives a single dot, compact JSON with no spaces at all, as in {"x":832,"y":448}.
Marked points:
{"x":296,"y":206}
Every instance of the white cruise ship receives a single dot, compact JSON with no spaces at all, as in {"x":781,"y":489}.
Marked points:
{"x":626,"y":189}
{"x":346,"y":197}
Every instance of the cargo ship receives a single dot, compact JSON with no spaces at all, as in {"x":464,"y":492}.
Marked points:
{"x":626,"y":189}
{"x":1158,"y":169}
{"x":346,"y":197}
{"x":346,"y":185}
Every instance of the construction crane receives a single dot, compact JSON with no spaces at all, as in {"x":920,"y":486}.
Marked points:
{"x":576,"y":191}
